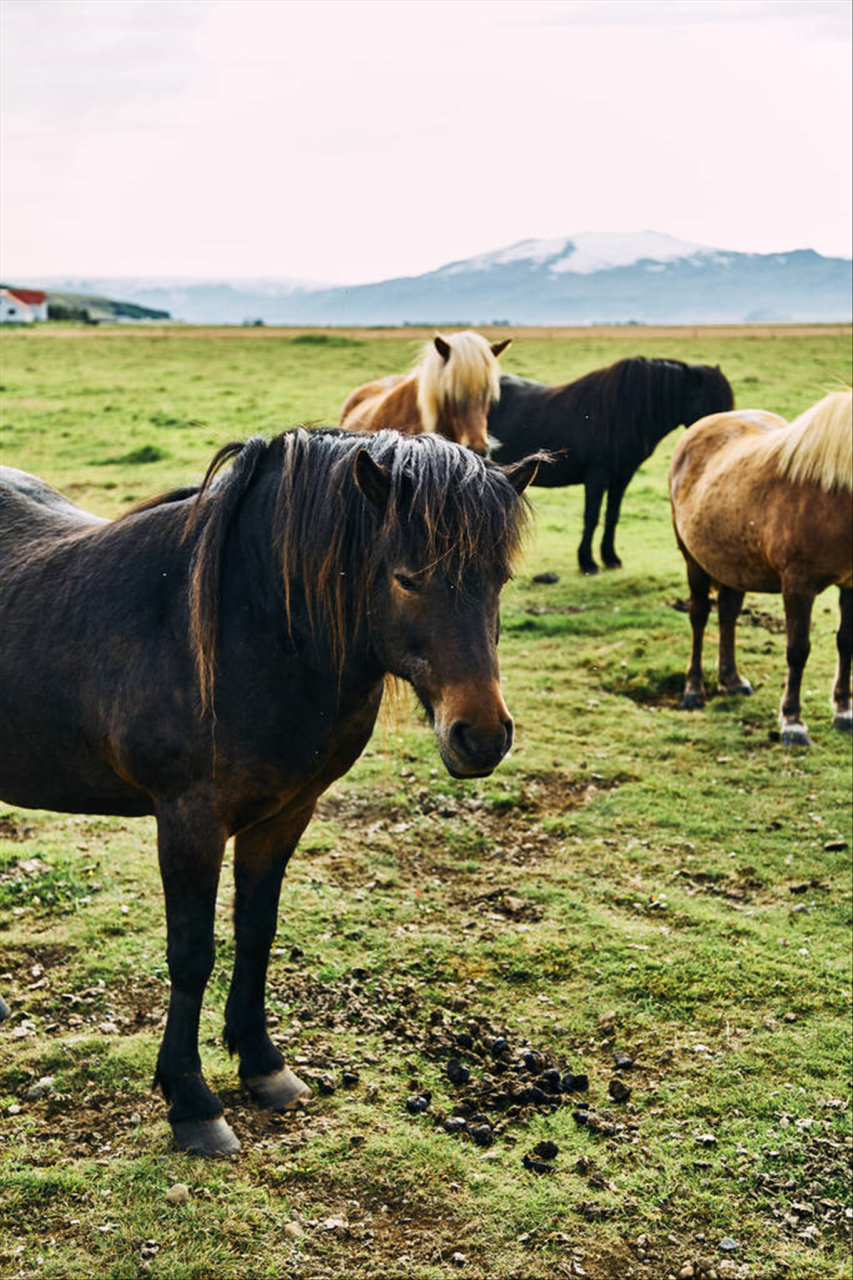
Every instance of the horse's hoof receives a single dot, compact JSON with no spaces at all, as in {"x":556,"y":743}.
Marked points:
{"x":4,"y":1010}
{"x":279,"y":1091}
{"x":743,"y":688}
{"x":692,"y":702}
{"x":613,"y":564}
{"x":795,"y":735}
{"x":206,"y":1137}
{"x":589,"y":570}
{"x":843,"y":721}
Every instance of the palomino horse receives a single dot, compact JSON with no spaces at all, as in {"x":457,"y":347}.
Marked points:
{"x":600,"y":428}
{"x":760,"y":504}
{"x":217,"y":658}
{"x":448,"y":393}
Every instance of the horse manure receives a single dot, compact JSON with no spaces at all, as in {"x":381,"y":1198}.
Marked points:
{"x":417,"y":1103}
{"x":549,"y":577}
{"x":464,"y":1040}
{"x":546,"y":1150}
{"x":454,"y":1124}
{"x":618,"y":1090}
{"x":537,"y":1166}
{"x":623,"y":1060}
{"x":581,"y":1116}
{"x":482,"y":1134}
{"x":457,"y":1073}
{"x":536,"y":1095}
{"x":326,"y":1085}
{"x":499,"y":1046}
{"x":349,"y":1079}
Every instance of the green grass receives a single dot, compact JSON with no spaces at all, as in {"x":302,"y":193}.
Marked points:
{"x":629,"y":858}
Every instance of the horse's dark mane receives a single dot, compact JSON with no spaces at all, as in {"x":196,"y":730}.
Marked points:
{"x":636,"y":399}
{"x":446,"y":507}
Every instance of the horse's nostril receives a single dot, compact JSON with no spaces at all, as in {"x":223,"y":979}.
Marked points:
{"x":461,"y":740}
{"x":509,"y":728}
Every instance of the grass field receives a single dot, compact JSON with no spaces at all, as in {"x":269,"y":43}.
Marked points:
{"x":635,"y":879}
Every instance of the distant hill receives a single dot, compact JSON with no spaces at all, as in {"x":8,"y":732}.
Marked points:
{"x":591,"y":278}
{"x":97,"y":309}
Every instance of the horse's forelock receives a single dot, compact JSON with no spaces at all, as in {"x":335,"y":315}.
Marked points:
{"x":470,"y":375}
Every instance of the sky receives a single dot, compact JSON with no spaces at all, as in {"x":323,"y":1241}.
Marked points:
{"x":352,"y":141}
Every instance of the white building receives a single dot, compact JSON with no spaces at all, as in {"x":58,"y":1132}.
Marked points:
{"x":22,"y":306}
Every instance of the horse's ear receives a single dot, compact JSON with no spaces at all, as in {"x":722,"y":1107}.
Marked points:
{"x":442,"y":346}
{"x":499,"y":347}
{"x":523,"y":473}
{"x":373,"y":480}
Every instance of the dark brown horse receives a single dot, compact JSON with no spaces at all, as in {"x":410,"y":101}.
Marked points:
{"x":761,"y":504}
{"x":217,"y":657}
{"x":600,"y":428}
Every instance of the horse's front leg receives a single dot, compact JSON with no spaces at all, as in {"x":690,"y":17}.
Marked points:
{"x":595,"y":482}
{"x":843,"y":713}
{"x":615,"y":492}
{"x":729,"y":604}
{"x":798,"y":616}
{"x":191,"y":844}
{"x":261,"y":854}
{"x":700,"y":606}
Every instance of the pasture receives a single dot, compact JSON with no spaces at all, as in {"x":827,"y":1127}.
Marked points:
{"x":635,"y":879}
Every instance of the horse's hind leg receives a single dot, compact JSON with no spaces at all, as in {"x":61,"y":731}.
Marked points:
{"x":700,"y":606}
{"x":260,"y":856}
{"x":843,"y":712}
{"x":729,"y":604}
{"x":798,"y":616}
{"x":190,"y":847}
{"x":595,"y":482}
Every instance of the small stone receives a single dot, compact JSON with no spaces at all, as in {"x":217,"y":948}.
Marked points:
{"x":499,"y":1046}
{"x":454,"y":1124}
{"x":706,"y":1140}
{"x":687,"y":1271}
{"x":416,"y":1103}
{"x":537,"y":1166}
{"x":458,"y":1259}
{"x":178,"y":1194}
{"x":349,"y":1079}
{"x":623,"y":1061}
{"x":456,"y":1072}
{"x":326,"y":1085}
{"x":293,"y":1230}
{"x":618,"y":1090}
{"x":482,"y":1134}
{"x":835,"y":846}
{"x":727,"y":1244}
{"x":548,"y":578}
{"x":13,"y":1109}
{"x":40,"y":1089}
{"x":581,"y":1116}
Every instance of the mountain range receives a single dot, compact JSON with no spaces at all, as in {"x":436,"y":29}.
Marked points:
{"x":590,"y":278}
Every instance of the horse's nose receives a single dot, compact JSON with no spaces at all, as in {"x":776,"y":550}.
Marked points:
{"x":477,"y":751}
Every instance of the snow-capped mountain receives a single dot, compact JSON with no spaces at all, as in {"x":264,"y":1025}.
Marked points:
{"x":589,"y":278}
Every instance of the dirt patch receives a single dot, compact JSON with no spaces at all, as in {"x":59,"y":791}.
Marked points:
{"x":14,"y":828}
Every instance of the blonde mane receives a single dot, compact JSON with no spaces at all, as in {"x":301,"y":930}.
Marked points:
{"x":470,"y":373}
{"x":817,"y":447}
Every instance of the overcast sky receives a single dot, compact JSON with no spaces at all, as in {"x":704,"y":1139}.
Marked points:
{"x":353,"y":141}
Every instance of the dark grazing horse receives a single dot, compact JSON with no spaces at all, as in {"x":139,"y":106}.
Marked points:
{"x":601,"y":428}
{"x":216,"y":657}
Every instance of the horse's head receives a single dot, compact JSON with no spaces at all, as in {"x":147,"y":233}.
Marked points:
{"x":707,"y":390}
{"x":448,"y":535}
{"x":458,"y":381}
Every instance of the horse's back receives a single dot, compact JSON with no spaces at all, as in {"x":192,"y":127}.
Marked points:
{"x":385,"y":403}
{"x":31,"y":508}
{"x":715,"y":445}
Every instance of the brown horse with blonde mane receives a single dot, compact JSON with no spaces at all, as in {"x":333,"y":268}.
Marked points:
{"x":448,"y":393}
{"x":761,"y":504}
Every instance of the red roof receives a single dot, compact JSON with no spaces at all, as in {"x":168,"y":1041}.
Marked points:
{"x":31,"y":296}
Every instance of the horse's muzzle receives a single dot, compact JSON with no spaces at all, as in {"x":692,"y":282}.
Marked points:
{"x":469,"y":752}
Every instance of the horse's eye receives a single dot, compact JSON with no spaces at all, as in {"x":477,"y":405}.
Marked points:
{"x":407,"y":584}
